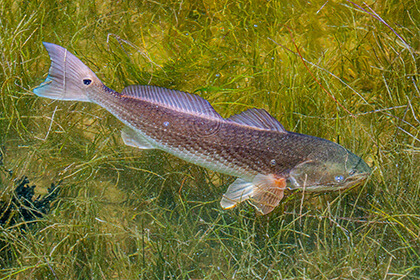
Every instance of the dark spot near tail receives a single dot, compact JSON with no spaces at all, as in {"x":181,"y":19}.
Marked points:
{"x":87,"y":81}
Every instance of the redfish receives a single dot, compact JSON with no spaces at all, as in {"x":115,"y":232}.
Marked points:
{"x":252,"y":145}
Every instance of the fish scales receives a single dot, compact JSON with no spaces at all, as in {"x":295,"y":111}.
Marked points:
{"x":232,"y":145}
{"x":231,"y":148}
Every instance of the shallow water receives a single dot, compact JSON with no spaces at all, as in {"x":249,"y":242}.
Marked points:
{"x":127,"y":214}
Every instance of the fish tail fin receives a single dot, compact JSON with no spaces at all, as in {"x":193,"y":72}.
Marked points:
{"x":68,"y":77}
{"x":265,"y":193}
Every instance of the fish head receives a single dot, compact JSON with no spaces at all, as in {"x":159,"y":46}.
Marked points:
{"x":336,"y":170}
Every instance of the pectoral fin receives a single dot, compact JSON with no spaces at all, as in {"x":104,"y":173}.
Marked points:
{"x":265,"y":192}
{"x":268,"y":192}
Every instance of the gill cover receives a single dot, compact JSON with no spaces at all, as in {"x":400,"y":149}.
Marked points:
{"x":68,"y":77}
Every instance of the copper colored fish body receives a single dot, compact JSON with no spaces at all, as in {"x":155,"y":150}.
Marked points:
{"x":252,"y":145}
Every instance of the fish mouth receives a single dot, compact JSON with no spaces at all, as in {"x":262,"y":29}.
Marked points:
{"x":352,"y":181}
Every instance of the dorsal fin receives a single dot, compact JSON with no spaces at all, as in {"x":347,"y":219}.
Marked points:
{"x":186,"y":102}
{"x":259,"y":118}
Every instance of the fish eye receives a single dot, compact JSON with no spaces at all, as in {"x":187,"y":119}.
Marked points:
{"x":87,"y":82}
{"x":339,"y":178}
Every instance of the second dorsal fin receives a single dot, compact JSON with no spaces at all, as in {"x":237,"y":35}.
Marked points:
{"x":258,"y":118}
{"x":178,"y":100}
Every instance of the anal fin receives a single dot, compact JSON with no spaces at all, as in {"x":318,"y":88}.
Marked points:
{"x":135,"y":139}
{"x":264,"y":192}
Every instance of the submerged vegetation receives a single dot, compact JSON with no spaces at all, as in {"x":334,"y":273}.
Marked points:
{"x":23,"y":207}
{"x":340,"y":71}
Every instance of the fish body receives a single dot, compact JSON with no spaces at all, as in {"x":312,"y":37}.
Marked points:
{"x":252,"y":145}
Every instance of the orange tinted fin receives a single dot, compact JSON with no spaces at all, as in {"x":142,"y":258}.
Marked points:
{"x":268,"y":192}
{"x":264,"y":192}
